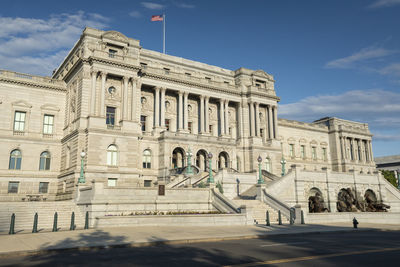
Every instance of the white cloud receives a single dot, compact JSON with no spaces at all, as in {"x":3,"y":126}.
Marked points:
{"x":184,"y":5}
{"x":37,"y":46}
{"x":151,"y":5}
{"x":360,"y":56}
{"x":135,"y":14}
{"x":379,"y":108}
{"x":392,"y":69}
{"x":384,"y":3}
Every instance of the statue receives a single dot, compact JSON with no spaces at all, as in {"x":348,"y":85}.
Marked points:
{"x":348,"y":202}
{"x":316,"y":203}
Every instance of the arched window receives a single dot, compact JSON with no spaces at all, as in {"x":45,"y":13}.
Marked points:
{"x":44,"y":163}
{"x":268,"y":164}
{"x":112,"y":155}
{"x":146,"y":159}
{"x":15,"y":160}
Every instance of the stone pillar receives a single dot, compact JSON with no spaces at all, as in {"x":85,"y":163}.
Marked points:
{"x":136,"y":107}
{"x":275,"y":122}
{"x":207,"y":115}
{"x":185,"y":110}
{"x":352,"y":147}
{"x":226,"y":117}
{"x":103,"y":94}
{"x":201,"y":114}
{"x":157,"y":107}
{"x":342,"y":146}
{"x":240,"y":119}
{"x":222,"y":116}
{"x":252,"y":120}
{"x":125,"y":101}
{"x":270,"y":128}
{"x":257,"y":119}
{"x":180,"y":111}
{"x":162,"y":107}
{"x":93,"y":94}
{"x":371,"y":158}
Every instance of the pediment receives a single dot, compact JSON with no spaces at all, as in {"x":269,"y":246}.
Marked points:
{"x":302,"y":140}
{"x":314,"y":142}
{"x":22,"y":104}
{"x":291,"y":139}
{"x":261,"y":73}
{"x":50,"y":107}
{"x":114,"y":35}
{"x":323,"y":143}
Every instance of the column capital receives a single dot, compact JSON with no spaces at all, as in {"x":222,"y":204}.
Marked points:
{"x":180,"y":92}
{"x":202,"y":97}
{"x":126,"y":78}
{"x":94,"y":72}
{"x":103,"y":73}
{"x":157,"y":88}
{"x":207,"y":98}
{"x":163,"y":89}
{"x":186,"y":94}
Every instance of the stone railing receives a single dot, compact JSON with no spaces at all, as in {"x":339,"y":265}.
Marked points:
{"x":40,"y":79}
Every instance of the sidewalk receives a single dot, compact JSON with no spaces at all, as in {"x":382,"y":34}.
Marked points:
{"x":28,"y":243}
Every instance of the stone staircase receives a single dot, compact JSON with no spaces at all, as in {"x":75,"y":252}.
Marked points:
{"x":25,"y":211}
{"x":258,"y":210}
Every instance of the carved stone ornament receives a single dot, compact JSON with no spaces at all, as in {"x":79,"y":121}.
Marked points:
{"x":114,"y":35}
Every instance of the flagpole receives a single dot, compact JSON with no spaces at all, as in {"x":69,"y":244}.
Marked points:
{"x":164,"y":33}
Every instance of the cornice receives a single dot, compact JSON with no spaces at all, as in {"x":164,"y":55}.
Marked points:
{"x":32,"y":84}
{"x":92,"y":60}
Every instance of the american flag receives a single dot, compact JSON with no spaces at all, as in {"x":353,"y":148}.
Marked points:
{"x":157,"y":18}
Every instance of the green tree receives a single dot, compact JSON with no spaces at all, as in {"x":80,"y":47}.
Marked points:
{"x":389,"y":175}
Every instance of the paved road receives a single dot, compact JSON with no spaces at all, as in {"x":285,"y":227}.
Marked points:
{"x":367,"y":248}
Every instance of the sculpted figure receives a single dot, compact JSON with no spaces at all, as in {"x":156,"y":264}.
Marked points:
{"x":316,"y":203}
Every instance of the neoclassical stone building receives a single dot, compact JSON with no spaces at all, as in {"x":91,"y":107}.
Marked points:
{"x":136,"y":113}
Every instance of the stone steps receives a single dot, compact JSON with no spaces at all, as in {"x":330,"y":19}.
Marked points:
{"x":25,"y":211}
{"x":258,"y":210}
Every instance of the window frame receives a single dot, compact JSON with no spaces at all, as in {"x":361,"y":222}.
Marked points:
{"x":45,"y":161}
{"x":46,"y":115}
{"x":16,"y":159}
{"x":19,"y":121}
{"x":112,"y":155}
{"x":146,"y":159}
{"x":46,"y":187}
{"x":108,"y":120}
{"x":143,"y":122}
{"x":11,"y":191}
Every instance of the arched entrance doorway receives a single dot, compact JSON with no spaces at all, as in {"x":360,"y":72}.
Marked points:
{"x":178,"y":158}
{"x":223,"y":160}
{"x":201,"y":159}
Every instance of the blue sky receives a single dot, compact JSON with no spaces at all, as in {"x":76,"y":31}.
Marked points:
{"x":329,"y":58}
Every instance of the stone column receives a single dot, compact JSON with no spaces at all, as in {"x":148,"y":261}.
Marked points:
{"x":180,"y":111}
{"x":226,"y":117}
{"x":162,"y":108}
{"x":257,"y":119}
{"x":342,"y":147}
{"x":252,"y":120}
{"x":103,"y":94}
{"x":185,"y":110}
{"x":352,"y":148}
{"x":93,"y":94}
{"x":125,"y":102}
{"x":157,"y":107}
{"x":136,"y":107}
{"x":207,"y":115}
{"x":201,"y":114}
{"x":222,"y":116}
{"x":275,"y":122}
{"x":270,"y":128}
{"x":371,"y":158}
{"x":240,"y":119}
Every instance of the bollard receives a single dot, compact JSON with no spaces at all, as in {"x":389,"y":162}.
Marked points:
{"x":302,"y":217}
{"x":267,"y":219}
{"x":55,"y":222}
{"x":279,"y":218}
{"x":355,"y":223}
{"x":12,"y":225}
{"x":72,"y":227}
{"x":291,"y":217}
{"x":86,"y":221}
{"x":35,"y":223}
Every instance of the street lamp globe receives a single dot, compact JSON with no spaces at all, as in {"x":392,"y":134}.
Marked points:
{"x":210,"y":155}
{"x":259,"y":159}
{"x":83,"y":154}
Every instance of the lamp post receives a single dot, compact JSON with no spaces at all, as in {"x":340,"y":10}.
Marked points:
{"x":210,"y":176}
{"x":260,"y":179}
{"x":81,"y":179}
{"x":189,"y":155}
{"x":283,"y":162}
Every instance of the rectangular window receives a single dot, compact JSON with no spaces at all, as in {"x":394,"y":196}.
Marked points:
{"x":262,"y":132}
{"x":112,"y":53}
{"x":303,"y":152}
{"x":291,"y":150}
{"x":43,"y":187}
{"x":147,"y":183}
{"x":314,"y":153}
{"x":210,"y":129}
{"x":19,"y":121}
{"x":166,"y":70}
{"x":167,"y":124}
{"x":208,"y":79}
{"x":110,"y":116}
{"x":226,"y":82}
{"x":112,"y":182}
{"x":48,"y":123}
{"x":324,"y":153}
{"x":13,"y":187}
{"x":188,"y":74}
{"x":143,"y":65}
{"x":190,"y":126}
{"x":143,"y":122}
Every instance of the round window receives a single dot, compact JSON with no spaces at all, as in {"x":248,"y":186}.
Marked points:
{"x":111,"y":90}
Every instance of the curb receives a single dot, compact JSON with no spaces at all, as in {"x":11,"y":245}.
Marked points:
{"x":169,"y":242}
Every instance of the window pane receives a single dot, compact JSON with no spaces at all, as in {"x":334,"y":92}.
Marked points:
{"x":43,"y":187}
{"x":109,"y":158}
{"x":18,"y":167}
{"x":41,"y":163}
{"x":112,"y":182}
{"x":48,"y":164}
{"x":12,"y":163}
{"x":13,"y":187}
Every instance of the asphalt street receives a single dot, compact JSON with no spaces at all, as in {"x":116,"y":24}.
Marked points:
{"x":363,"y":248}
